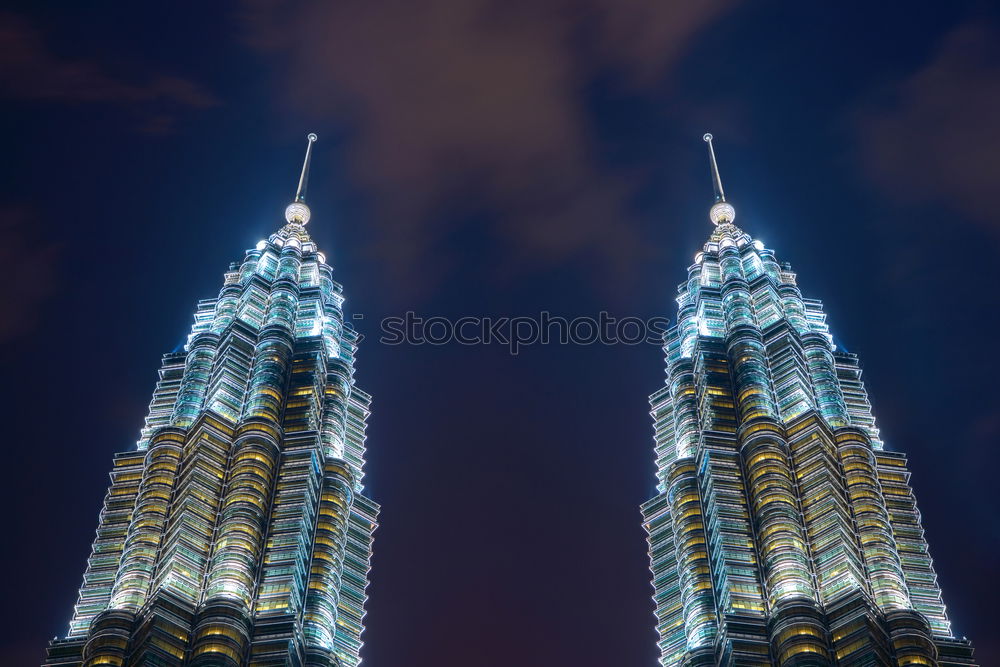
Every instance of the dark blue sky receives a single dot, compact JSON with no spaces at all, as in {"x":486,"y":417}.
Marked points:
{"x":482,"y":157}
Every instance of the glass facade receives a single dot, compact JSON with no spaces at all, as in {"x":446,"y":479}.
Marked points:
{"x":238,"y":532}
{"x":783,"y":533}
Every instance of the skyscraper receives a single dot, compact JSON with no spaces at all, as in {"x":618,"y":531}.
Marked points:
{"x":237,"y":532}
{"x":783,"y":533}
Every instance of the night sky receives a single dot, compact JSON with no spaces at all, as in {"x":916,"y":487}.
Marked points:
{"x":488,"y":157}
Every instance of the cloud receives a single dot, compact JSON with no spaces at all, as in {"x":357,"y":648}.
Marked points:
{"x":29,"y":70}
{"x":934,"y":137}
{"x":32,"y":260}
{"x":459,"y":107}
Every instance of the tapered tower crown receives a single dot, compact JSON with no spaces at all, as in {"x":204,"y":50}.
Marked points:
{"x":238,"y":532}
{"x":783,"y":533}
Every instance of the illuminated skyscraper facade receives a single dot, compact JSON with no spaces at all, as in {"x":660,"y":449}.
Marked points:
{"x":238,"y":532}
{"x":783,"y":532}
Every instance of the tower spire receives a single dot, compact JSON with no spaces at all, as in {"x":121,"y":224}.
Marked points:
{"x":722,"y":211}
{"x":720,"y":194}
{"x":300,"y":195}
{"x":297,"y":212}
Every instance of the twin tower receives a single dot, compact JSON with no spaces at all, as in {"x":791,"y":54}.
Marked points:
{"x":238,"y":533}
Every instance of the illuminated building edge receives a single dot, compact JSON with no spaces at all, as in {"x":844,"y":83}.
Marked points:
{"x":238,"y":531}
{"x":783,"y":533}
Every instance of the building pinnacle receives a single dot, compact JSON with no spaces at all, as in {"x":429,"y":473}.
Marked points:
{"x":297,"y":212}
{"x":722,"y":212}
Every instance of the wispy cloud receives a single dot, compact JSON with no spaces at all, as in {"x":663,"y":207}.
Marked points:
{"x":934,"y":137}
{"x":31,"y":70}
{"x":32,"y":259}
{"x":469,"y":105}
